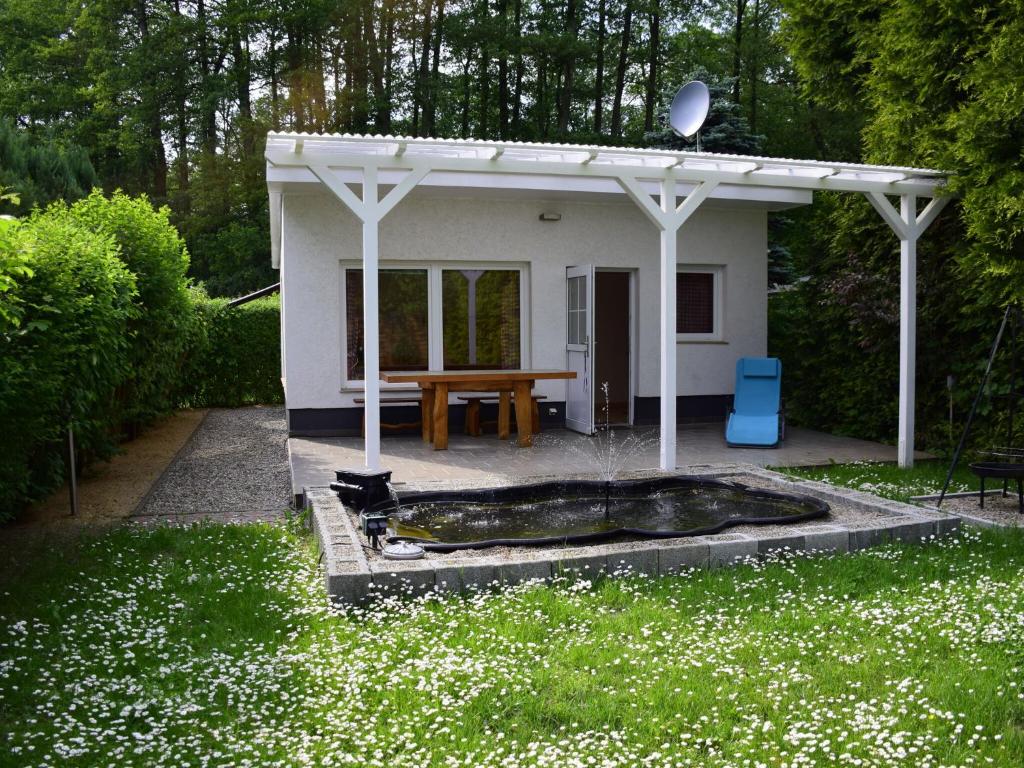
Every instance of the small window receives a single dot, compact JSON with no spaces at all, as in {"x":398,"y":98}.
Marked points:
{"x":698,"y":304}
{"x":577,"y":310}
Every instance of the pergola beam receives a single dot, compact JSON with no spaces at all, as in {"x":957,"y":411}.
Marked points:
{"x":739,"y":174}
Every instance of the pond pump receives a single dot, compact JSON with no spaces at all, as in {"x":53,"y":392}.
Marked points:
{"x":367,"y":491}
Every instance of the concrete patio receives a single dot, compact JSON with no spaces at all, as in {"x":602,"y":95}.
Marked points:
{"x":483,"y":460}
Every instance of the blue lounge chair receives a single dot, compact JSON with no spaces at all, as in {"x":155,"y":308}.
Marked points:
{"x":756,"y":416}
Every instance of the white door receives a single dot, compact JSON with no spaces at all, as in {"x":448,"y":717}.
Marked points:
{"x":579,"y":405}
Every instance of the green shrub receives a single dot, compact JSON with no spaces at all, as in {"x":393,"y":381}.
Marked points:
{"x":100,"y":328}
{"x":67,"y":356}
{"x":161,"y":331}
{"x":236,"y":354}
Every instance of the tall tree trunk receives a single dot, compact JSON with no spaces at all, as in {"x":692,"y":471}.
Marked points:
{"x":599,"y":74}
{"x":382,"y":107}
{"x":242,"y":72}
{"x":151,"y":109}
{"x":652,"y":69}
{"x":737,"y":54}
{"x":465,"y":94}
{"x":183,"y":207}
{"x":275,"y":88}
{"x":350,"y":83}
{"x":483,"y":71}
{"x":567,"y":75}
{"x":430,"y":115}
{"x":389,"y":58}
{"x":420,"y":88}
{"x":620,"y":70}
{"x":754,"y":64}
{"x":517,"y":23}
{"x":503,"y":111}
{"x":207,"y":96}
{"x":293,"y":62}
{"x":360,"y":77}
{"x":339,"y":94}
{"x":541,"y":105}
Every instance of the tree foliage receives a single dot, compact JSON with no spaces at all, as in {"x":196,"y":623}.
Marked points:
{"x":936,"y":84}
{"x":173,"y":99}
{"x":38,"y":172}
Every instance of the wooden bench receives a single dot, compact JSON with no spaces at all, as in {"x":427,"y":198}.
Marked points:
{"x":406,"y":400}
{"x":474,"y":426}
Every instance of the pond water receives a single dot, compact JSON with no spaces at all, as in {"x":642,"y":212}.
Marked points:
{"x":590,"y":511}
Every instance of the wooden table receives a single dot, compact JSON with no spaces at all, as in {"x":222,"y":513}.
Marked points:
{"x":437,"y":384}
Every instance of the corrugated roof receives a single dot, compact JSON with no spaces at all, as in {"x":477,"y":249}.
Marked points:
{"x":334,"y":146}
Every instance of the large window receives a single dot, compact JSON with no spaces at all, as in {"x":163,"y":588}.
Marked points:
{"x":480,"y":311}
{"x":404,"y":337}
{"x":699,"y":304}
{"x":438,"y":316}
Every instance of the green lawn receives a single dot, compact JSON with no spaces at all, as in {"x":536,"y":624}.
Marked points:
{"x":213,"y":645}
{"x":888,"y":480}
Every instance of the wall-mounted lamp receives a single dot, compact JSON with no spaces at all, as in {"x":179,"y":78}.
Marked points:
{"x":551,"y":217}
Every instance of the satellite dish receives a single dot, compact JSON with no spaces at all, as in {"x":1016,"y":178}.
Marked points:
{"x":689,"y":108}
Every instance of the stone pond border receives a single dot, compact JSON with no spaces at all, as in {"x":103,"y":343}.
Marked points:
{"x":351,"y":578}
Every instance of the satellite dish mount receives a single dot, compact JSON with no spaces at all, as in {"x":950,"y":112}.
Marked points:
{"x":689,"y":110}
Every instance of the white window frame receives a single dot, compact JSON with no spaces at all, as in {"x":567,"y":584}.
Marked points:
{"x":435,"y":312}
{"x":717,"y":335}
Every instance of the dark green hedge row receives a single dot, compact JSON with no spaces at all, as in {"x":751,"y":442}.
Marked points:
{"x":837,"y":332}
{"x":99,"y":328}
{"x":236,"y":358}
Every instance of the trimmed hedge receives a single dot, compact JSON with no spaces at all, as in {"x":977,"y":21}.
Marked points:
{"x":236,"y":354}
{"x":100,"y":328}
{"x":161,"y":331}
{"x":66,"y":353}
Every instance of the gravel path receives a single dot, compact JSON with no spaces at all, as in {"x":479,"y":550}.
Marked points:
{"x":234,"y":467}
{"x":997,"y":510}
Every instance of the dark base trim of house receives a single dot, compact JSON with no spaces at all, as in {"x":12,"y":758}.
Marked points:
{"x":348,"y":422}
{"x":690,"y":409}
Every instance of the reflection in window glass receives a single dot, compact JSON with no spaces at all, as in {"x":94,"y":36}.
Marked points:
{"x":481,"y":323}
{"x":695,"y":302}
{"x":577,"y":310}
{"x":403,"y":320}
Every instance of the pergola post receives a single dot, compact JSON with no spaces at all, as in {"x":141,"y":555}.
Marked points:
{"x":669,"y":243}
{"x":668,"y":218}
{"x":908,"y":331}
{"x":370,"y":210}
{"x":371,"y":320}
{"x":908,"y":226}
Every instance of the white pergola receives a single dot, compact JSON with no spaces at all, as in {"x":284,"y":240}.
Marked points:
{"x":654,"y":179}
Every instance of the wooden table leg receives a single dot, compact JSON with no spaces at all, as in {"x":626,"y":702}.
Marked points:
{"x":427,"y":414}
{"x":440,"y":416}
{"x":504,"y":414}
{"x":524,"y":419}
{"x":473,"y":428}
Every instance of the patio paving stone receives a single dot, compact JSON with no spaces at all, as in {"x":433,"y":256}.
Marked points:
{"x":486,"y":460}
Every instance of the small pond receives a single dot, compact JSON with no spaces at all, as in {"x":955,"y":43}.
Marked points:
{"x":590,"y":511}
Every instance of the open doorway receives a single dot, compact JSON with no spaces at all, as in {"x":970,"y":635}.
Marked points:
{"x":612,"y":348}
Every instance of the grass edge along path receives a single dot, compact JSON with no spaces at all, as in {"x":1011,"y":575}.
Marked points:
{"x":214,"y":645}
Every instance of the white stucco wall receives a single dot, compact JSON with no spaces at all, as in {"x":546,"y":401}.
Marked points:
{"x":318,"y":233}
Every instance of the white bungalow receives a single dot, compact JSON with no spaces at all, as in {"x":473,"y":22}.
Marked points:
{"x":644,"y":269}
